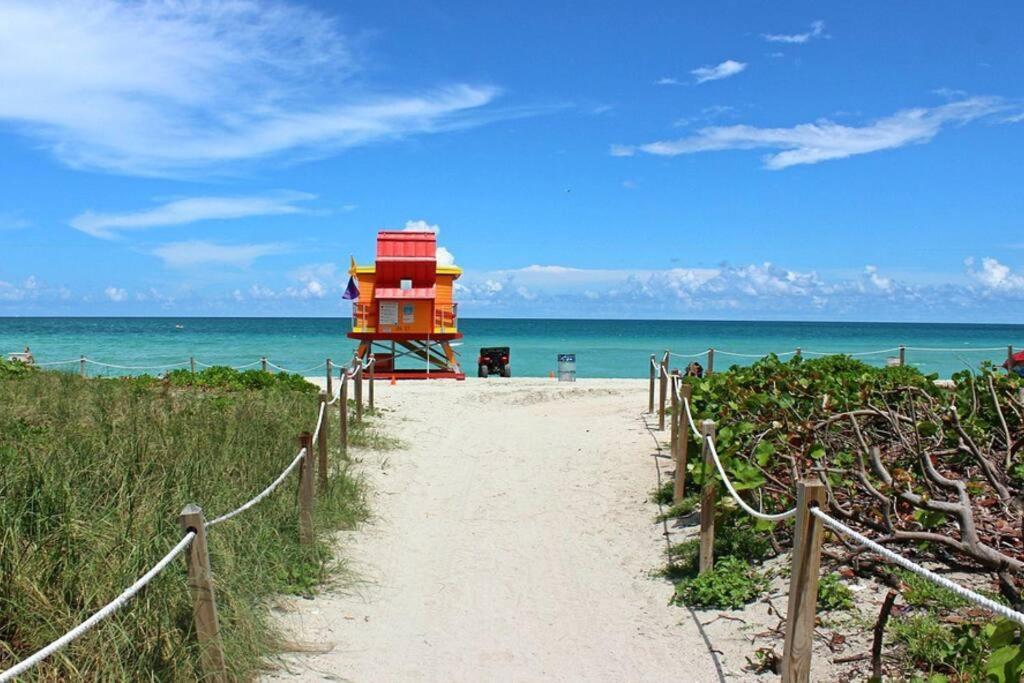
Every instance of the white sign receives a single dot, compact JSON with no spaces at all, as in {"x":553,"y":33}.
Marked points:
{"x":388,"y":313}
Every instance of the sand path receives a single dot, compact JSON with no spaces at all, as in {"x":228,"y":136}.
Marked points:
{"x":512,"y":540}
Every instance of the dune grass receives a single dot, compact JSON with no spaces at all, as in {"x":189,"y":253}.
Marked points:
{"x":93,"y":475}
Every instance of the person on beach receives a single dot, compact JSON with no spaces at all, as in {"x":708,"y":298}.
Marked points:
{"x":695,"y":369}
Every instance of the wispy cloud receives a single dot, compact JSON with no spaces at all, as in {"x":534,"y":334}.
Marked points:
{"x":717,"y":72}
{"x":12,"y":221}
{"x":195,"y":253}
{"x":166,"y":87}
{"x":667,"y":81}
{"x":817,"y":30}
{"x":810,"y":143}
{"x":191,"y":210}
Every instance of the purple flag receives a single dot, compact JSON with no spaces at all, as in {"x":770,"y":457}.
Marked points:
{"x":351,"y":292}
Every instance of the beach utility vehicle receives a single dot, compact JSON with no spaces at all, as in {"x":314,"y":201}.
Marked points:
{"x":493,"y":360}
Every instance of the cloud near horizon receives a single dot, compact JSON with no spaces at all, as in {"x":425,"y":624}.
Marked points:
{"x":811,"y":143}
{"x":717,"y":72}
{"x":195,"y":253}
{"x":190,"y":210}
{"x":817,"y":30}
{"x":164,"y":88}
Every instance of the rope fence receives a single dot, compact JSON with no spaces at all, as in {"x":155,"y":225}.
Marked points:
{"x":264,"y":363}
{"x":194,"y":528}
{"x":810,"y":518}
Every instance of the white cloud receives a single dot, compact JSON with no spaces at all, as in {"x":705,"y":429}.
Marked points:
{"x":881,"y":283}
{"x":666,"y":81}
{"x":116,"y":294}
{"x":202,"y":253}
{"x":810,"y":143}
{"x":817,"y":30}
{"x":445,"y":257}
{"x":167,"y":87}
{"x":185,"y":211}
{"x":995,"y":276}
{"x":420,"y":226}
{"x":713,"y":73}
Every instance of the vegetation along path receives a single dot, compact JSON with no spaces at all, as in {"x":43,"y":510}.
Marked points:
{"x":513,"y":540}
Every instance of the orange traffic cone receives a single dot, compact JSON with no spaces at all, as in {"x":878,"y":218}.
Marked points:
{"x":551,"y":374}
{"x":393,"y":382}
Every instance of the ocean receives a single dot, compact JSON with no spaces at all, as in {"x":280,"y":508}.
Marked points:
{"x":603,"y":348}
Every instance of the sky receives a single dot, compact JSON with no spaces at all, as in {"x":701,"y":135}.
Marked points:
{"x":704,"y":160}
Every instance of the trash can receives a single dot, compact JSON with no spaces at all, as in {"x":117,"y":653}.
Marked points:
{"x":567,"y":367}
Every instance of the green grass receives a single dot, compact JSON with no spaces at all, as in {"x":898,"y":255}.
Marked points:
{"x":93,"y":474}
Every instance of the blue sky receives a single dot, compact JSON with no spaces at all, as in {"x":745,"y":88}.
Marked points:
{"x":671,"y":160}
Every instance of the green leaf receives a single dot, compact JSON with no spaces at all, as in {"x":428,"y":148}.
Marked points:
{"x":817,"y":452}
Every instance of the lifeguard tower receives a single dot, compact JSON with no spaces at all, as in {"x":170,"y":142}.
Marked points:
{"x":405,"y":313}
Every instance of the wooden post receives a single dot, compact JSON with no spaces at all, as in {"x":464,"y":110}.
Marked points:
{"x":708,"y":496}
{"x":650,"y":391}
{"x":673,"y":417}
{"x":662,"y":391}
{"x":682,"y":446}
{"x":903,"y":355}
{"x":358,"y":381}
{"x":81,"y":366}
{"x":204,"y":603}
{"x":1009,"y":358}
{"x":711,"y":362}
{"x":192,"y":364}
{"x":263,"y":363}
{"x":797,"y":354}
{"x":330,"y":378}
{"x":343,"y":412}
{"x":373,"y":371}
{"x":321,"y":446}
{"x":306,"y":491}
{"x":803,"y":583}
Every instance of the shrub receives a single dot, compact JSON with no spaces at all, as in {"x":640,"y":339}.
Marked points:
{"x":731,"y":584}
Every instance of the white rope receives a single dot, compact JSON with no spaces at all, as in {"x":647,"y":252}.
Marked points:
{"x":889,"y":555}
{"x":699,"y":354}
{"x":319,"y":421}
{"x":59,"y":362}
{"x":136,"y":367}
{"x":844,"y":353}
{"x":111,"y":607}
{"x":262,"y":494}
{"x":964,"y":348}
{"x":689,"y":418}
{"x":296,"y":372}
{"x":736,"y":496}
{"x":741,"y":355}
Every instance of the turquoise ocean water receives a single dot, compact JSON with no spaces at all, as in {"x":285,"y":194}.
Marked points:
{"x":603,"y":348}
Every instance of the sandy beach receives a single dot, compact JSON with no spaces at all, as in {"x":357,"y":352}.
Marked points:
{"x":512,"y":539}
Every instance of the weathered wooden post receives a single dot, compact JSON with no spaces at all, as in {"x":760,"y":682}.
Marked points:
{"x":708,"y":496}
{"x":81,"y":366}
{"x":321,"y":445}
{"x":797,"y":354}
{"x":683,"y":445}
{"x":650,"y":390}
{"x":192,"y":364}
{"x":903,"y":355}
{"x":662,"y":390}
{"x":711,"y":362}
{"x":343,"y":411}
{"x":358,"y":381}
{"x":330,"y":378}
{"x":263,"y":363}
{"x":373,"y":372}
{"x":673,"y":417}
{"x":1009,"y":358}
{"x":306,"y":491}
{"x":204,"y":603}
{"x":803,"y":583}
